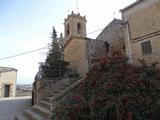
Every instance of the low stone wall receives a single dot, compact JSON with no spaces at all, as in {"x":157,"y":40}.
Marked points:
{"x":50,"y":87}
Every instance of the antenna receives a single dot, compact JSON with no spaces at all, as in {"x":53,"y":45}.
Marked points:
{"x":68,"y":12}
{"x":114,"y":14}
{"x":77,"y":5}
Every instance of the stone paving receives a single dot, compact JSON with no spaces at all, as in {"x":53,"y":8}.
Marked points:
{"x":9,"y":107}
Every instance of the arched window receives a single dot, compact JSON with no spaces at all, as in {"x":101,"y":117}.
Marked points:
{"x":67,"y":30}
{"x":79,"y":29}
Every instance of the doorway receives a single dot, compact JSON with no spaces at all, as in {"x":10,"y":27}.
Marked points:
{"x":6,"y":90}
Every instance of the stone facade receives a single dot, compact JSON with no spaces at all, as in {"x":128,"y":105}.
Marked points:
{"x":76,"y":54}
{"x":74,"y":26}
{"x":75,"y":44}
{"x":142,"y":25}
{"x":8,"y":77}
{"x":95,"y":48}
{"x":113,"y":35}
{"x":78,"y":49}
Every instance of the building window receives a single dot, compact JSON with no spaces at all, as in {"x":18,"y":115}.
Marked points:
{"x":107,"y":46}
{"x":146,"y":47}
{"x":79,"y":28}
{"x":67,"y":30}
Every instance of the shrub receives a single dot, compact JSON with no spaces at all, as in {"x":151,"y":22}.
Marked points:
{"x":114,"y":90}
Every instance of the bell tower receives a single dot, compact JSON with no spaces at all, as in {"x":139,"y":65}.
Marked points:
{"x":74,"y":27}
{"x":75,"y":43}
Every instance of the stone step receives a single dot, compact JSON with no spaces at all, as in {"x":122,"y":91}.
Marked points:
{"x":47,"y":99}
{"x":58,"y":84}
{"x":45,"y":104}
{"x":58,"y":87}
{"x":54,"y":90}
{"x":32,"y":115}
{"x":62,"y":84}
{"x":42,"y":111}
{"x":20,"y":117}
{"x":64,"y":92}
{"x":61,"y":88}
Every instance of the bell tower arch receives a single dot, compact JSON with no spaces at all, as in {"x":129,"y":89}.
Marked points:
{"x":74,"y":26}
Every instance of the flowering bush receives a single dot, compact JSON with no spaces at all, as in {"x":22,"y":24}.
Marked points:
{"x":114,"y":90}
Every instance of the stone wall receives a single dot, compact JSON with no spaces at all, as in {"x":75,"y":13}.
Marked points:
{"x":113,"y":35}
{"x":76,"y":53}
{"x":95,"y":48}
{"x":142,"y":24}
{"x":144,"y":18}
{"x":8,"y":78}
{"x":42,"y":88}
{"x":71,"y":22}
{"x":48,"y":88}
{"x":149,"y":58}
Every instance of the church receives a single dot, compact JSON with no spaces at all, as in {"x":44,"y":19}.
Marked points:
{"x":79,"y":50}
{"x":137,"y":35}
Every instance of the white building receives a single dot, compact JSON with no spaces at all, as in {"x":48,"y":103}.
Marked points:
{"x":8,"y":77}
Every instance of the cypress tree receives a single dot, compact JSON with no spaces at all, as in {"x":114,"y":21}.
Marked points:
{"x":54,"y":65}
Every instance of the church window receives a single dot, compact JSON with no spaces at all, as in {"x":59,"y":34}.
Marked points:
{"x":146,"y":47}
{"x":67,"y":30}
{"x":107,"y":46}
{"x":79,"y":28}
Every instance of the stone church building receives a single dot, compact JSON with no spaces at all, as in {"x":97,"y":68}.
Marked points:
{"x":137,"y":35}
{"x":78,"y":49}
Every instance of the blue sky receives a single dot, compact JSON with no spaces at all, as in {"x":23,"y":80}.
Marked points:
{"x":26,"y":25}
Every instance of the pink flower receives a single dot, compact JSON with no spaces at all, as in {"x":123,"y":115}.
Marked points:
{"x":78,"y":98}
{"x":108,"y":85}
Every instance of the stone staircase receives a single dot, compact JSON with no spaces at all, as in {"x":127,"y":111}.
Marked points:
{"x":43,"y":109}
{"x":40,"y":111}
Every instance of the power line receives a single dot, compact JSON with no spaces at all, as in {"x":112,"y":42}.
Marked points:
{"x":16,"y":55}
{"x":22,"y":53}
{"x":95,"y":31}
